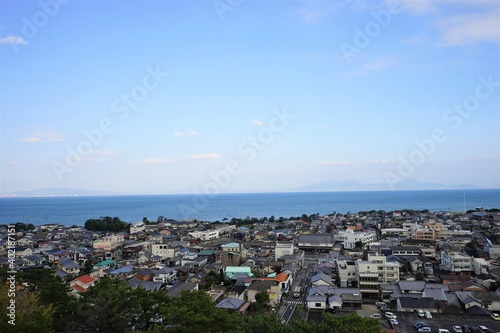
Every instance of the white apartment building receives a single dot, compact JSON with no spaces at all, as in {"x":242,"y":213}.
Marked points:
{"x":137,"y":227}
{"x":455,"y":262}
{"x":349,"y":238}
{"x":375,"y":272}
{"x":163,"y":250}
{"x":212,"y":234}
{"x":480,"y":266}
{"x":347,"y":271}
{"x":282,"y":249}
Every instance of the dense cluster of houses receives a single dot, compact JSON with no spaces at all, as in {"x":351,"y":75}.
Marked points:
{"x":439,"y":262}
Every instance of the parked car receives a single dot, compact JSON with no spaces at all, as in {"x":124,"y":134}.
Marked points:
{"x":375,"y":315}
{"x":495,"y":316}
{"x":443,"y":330}
{"x":419,"y":324}
{"x":465,"y":329}
{"x":390,"y":315}
{"x":425,"y":329}
{"x":457,"y":329}
{"x":394,"y":322}
{"x":428,"y":315}
{"x":420,"y":313}
{"x":483,"y":328}
{"x":385,"y":308}
{"x":380,"y":304}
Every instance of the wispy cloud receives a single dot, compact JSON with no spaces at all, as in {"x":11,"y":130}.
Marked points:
{"x":188,"y":132}
{"x":154,"y":160}
{"x":44,"y":136}
{"x":468,"y":29}
{"x":210,"y":156}
{"x":314,"y":11}
{"x":335,"y":163}
{"x":338,"y":163}
{"x":103,"y":152}
{"x":258,"y":122}
{"x":418,"y":7}
{"x":13,"y":40}
{"x":375,"y":65}
{"x":31,"y":139}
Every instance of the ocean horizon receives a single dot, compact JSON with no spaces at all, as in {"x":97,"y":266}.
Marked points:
{"x":75,"y":210}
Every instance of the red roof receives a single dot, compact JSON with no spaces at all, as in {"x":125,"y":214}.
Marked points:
{"x":85,"y":279}
{"x":78,"y":288}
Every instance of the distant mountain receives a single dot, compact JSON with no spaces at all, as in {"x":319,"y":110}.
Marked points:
{"x":62,"y":191}
{"x":354,"y":185}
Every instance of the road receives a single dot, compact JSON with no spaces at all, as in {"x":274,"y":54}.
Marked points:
{"x":288,"y":310}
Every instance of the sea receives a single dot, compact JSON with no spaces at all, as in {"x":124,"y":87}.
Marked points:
{"x":75,"y":210}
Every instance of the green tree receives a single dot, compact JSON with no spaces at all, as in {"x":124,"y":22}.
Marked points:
{"x":108,"y":306}
{"x":195,"y":312}
{"x":30,"y":314}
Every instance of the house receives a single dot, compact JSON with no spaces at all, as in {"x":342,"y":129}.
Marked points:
{"x":82,"y":283}
{"x":69,"y":266}
{"x":321,"y":279}
{"x":144,"y":275}
{"x":238,"y":291}
{"x":316,"y":302}
{"x":485,"y":300}
{"x":315,"y":242}
{"x":233,"y":304}
{"x":146,"y":285}
{"x":270,"y":286}
{"x":176,"y":290}
{"x":165,"y":275}
{"x":412,"y":304}
{"x":232,"y":270}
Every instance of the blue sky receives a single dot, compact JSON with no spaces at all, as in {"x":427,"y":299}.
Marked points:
{"x":228,"y":96}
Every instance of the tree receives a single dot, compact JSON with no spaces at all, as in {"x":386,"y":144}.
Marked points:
{"x":30,"y":315}
{"x":359,"y":244}
{"x":108,"y":306}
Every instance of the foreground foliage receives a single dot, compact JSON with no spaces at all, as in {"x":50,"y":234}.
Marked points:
{"x":113,"y":306}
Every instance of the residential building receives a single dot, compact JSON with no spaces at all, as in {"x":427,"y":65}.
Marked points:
{"x":456,"y":263}
{"x":374,"y":272}
{"x":282,"y":249}
{"x":350,"y":238}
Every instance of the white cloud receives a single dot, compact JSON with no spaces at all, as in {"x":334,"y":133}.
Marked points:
{"x":314,"y":11}
{"x":210,"y":156}
{"x":153,"y":160}
{"x":13,"y":40}
{"x":382,"y":161}
{"x":31,"y":139}
{"x":51,"y":135}
{"x":258,"y":122}
{"x":103,"y":152}
{"x":338,"y":163}
{"x":418,"y":7}
{"x":186,"y":133}
{"x":44,"y":136}
{"x":375,"y":65}
{"x":467,"y":29}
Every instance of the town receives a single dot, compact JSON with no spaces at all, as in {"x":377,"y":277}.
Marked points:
{"x":412,"y":271}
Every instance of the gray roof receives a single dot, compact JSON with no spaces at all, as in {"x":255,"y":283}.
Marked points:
{"x":417,"y":303}
{"x":176,"y":290}
{"x":321,"y":276}
{"x":230,"y":303}
{"x":316,"y":298}
{"x":262,"y":285}
{"x":147,"y":285}
{"x":412,"y":285}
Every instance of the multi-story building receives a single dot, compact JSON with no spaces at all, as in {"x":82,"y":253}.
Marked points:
{"x":457,"y":263}
{"x":349,"y":238}
{"x":346,"y":268}
{"x":282,"y":249}
{"x":109,"y":243}
{"x":375,"y":272}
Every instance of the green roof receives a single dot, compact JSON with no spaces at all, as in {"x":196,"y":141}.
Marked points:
{"x":105,"y":263}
